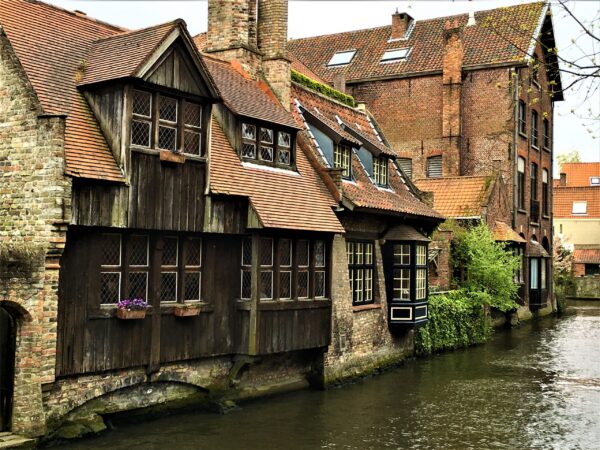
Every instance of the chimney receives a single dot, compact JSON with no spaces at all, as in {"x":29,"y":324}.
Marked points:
{"x":400,"y":24}
{"x":272,"y":43}
{"x":232,"y":33}
{"x":563,"y":179}
{"x":339,"y":82}
{"x":452,"y":97}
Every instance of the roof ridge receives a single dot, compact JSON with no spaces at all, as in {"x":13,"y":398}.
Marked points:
{"x":455,"y":177}
{"x":80,"y":15}
{"x":140,"y":30}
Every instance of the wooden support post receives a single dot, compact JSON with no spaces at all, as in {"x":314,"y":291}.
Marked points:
{"x":254,"y":298}
{"x":156,"y":248}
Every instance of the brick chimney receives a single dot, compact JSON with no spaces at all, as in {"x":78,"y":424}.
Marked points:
{"x":400,"y":24}
{"x":272,"y":43}
{"x":452,"y":96}
{"x":339,"y":82}
{"x":563,"y":179}
{"x":232,"y":33}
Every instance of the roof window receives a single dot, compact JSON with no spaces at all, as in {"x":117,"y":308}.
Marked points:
{"x":594,"y":181}
{"x":341,"y":58}
{"x":579,"y":208}
{"x":394,"y":55}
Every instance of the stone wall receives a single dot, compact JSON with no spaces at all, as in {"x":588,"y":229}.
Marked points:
{"x":35,"y":199}
{"x":587,"y":287}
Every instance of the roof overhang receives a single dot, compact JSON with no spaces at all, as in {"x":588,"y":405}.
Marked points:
{"x":336,"y":135}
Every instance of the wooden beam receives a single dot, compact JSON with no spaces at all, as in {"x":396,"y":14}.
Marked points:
{"x":253,"y":333}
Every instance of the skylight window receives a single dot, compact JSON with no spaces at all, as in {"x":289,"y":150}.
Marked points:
{"x":394,"y":55}
{"x":341,"y":58}
{"x":594,"y":181}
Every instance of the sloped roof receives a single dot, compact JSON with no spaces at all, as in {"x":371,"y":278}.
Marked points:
{"x":565,"y":196}
{"x":280,"y":198}
{"x":490,"y":41}
{"x":503,"y":232}
{"x":51,"y":43}
{"x":361,"y":192}
{"x":589,"y":256}
{"x":457,"y":197}
{"x":247,"y":97}
{"x":579,"y":174}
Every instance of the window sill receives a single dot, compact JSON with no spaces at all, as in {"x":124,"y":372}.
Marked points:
{"x":523,"y":135}
{"x":534,"y":224}
{"x":277,"y":305}
{"x":110,"y":311}
{"x":546,"y":149}
{"x":521,"y":211}
{"x":369,"y":307}
{"x":153,"y":152}
{"x":535,"y":147}
{"x":545,"y":216}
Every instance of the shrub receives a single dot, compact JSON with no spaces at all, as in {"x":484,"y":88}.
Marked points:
{"x":323,"y":89}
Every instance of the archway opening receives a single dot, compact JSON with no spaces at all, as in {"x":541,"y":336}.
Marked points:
{"x":7,"y":366}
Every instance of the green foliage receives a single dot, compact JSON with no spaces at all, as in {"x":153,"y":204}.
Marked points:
{"x":571,"y":157}
{"x":323,"y":89}
{"x":456,"y":319}
{"x":563,"y":273}
{"x":488,"y":265}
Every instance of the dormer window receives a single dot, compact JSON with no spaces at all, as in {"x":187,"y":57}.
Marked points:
{"x":395,"y":55}
{"x":341,"y":159}
{"x":266,"y":145}
{"x":161,"y":131}
{"x":341,"y":58}
{"x":380,"y":171}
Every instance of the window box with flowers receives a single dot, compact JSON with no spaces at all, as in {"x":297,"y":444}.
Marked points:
{"x":132,"y":309}
{"x":187,"y":310}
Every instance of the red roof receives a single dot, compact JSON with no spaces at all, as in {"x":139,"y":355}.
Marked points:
{"x":579,"y":174}
{"x":281,"y":198}
{"x":487,"y":42}
{"x":457,"y":197}
{"x":565,"y":196}
{"x":51,"y":43}
{"x":589,"y":256}
{"x":361,"y":192}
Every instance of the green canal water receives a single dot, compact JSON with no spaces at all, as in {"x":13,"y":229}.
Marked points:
{"x":536,"y":387}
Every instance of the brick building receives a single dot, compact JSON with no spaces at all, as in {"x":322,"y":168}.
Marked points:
{"x":466,"y":95}
{"x":268,"y":226}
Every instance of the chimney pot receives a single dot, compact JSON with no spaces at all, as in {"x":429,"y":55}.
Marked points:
{"x":400,"y":24}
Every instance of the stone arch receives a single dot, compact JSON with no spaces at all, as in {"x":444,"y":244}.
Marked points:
{"x":8,"y":345}
{"x":17,"y":310}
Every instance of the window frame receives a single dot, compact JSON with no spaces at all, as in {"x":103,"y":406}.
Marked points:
{"x":521,"y":183}
{"x":545,"y":192}
{"x":535,"y":138}
{"x":546,"y":134}
{"x":277,"y":148}
{"x":380,"y":171}
{"x":361,"y":272}
{"x":522,"y":118}
{"x":414,"y":266}
{"x":533,"y":180}
{"x":394,"y":59}
{"x":430,"y":159}
{"x":180,"y":127}
{"x":406,"y":161}
{"x":342,"y":159}
{"x":344,"y":63}
{"x":581,"y":203}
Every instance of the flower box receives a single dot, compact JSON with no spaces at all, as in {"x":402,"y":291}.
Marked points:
{"x":131,"y":314}
{"x":186,"y":311}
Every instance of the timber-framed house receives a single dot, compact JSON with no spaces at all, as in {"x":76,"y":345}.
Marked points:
{"x":269,"y":228}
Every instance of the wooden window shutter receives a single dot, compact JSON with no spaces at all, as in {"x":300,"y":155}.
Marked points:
{"x":434,"y":167}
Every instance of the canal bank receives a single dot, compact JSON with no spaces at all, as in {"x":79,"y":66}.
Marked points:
{"x":534,"y":387}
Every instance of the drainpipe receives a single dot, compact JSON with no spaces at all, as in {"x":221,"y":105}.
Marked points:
{"x":515,"y":139}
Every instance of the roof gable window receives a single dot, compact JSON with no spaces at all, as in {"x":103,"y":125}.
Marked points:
{"x":266,"y":145}
{"x":165,"y":128}
{"x":341,"y":58}
{"x":395,"y":55}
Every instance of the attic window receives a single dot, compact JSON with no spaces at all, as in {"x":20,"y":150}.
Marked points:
{"x":395,"y":55}
{"x":266,"y":145}
{"x":594,"y":181}
{"x":341,"y":159}
{"x":341,"y":58}
{"x":380,"y":171}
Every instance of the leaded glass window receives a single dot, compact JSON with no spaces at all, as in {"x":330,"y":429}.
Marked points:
{"x":266,"y":145}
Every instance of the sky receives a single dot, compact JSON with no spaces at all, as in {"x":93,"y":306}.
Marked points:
{"x":577,"y":119}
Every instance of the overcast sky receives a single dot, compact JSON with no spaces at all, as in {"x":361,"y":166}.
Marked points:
{"x":573,"y":130}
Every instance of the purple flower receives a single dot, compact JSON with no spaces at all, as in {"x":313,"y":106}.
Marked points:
{"x":134,"y":304}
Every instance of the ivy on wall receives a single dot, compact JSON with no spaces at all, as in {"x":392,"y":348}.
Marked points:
{"x":321,"y":88}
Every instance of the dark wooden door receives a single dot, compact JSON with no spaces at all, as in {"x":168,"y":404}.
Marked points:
{"x":7,"y":365}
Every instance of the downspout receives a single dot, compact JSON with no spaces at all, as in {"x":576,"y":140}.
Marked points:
{"x":515,"y":139}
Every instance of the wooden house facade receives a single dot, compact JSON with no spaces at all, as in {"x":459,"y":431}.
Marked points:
{"x":269,"y":228}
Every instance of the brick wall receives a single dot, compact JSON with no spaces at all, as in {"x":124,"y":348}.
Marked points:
{"x":34,"y":210}
{"x":440,"y":275}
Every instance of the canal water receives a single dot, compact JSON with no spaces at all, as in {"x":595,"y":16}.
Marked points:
{"x":536,"y":387}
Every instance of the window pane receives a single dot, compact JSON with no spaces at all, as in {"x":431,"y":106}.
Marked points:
{"x":543,"y":273}
{"x":247,"y":252}
{"x":368,"y":296}
{"x":138,"y":285}
{"x":266,"y":153}
{"x":285,"y":252}
{"x":142,"y":103}
{"x":320,"y":284}
{"x":248,"y":150}
{"x":358,"y":285}
{"x":341,"y":58}
{"x":521,"y":165}
{"x":302,"y":284}
{"x":285,"y":157}
{"x":266,"y":252}
{"x":140,"y":133}
{"x":192,"y":114}
{"x":402,"y":254}
{"x":193,"y":252}
{"x":285,"y":284}
{"x":191,"y":142}
{"x":192,"y":286}
{"x":421,"y":284}
{"x":110,"y":287}
{"x":421,"y":255}
{"x":138,"y":251}
{"x":170,"y":252}
{"x":533,"y":281}
{"x":248,"y":131}
{"x":168,"y":286}
{"x":303,"y":253}
{"x":167,"y":138}
{"x":350,"y":252}
{"x":266,"y":136}
{"x":266,"y":285}
{"x":579,"y":208}
{"x":111,"y":250}
{"x":168,"y":109}
{"x":402,"y":284}
{"x":395,"y":54}
{"x":246,"y":284}
{"x":284,"y":140}
{"x":359,"y":253}
{"x":368,"y":254}
{"x":320,"y":253}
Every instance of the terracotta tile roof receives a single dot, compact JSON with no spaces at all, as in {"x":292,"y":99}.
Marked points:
{"x":246,"y":97}
{"x":483,"y":45}
{"x":361,"y":192}
{"x":456,"y":197}
{"x":281,"y":199}
{"x":589,"y":256}
{"x":50,"y":44}
{"x":565,"y":196}
{"x":579,"y":174}
{"x":503,"y":232}
{"x":299,"y":66}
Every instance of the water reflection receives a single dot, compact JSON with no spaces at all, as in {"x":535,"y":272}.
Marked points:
{"x":534,"y":387}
